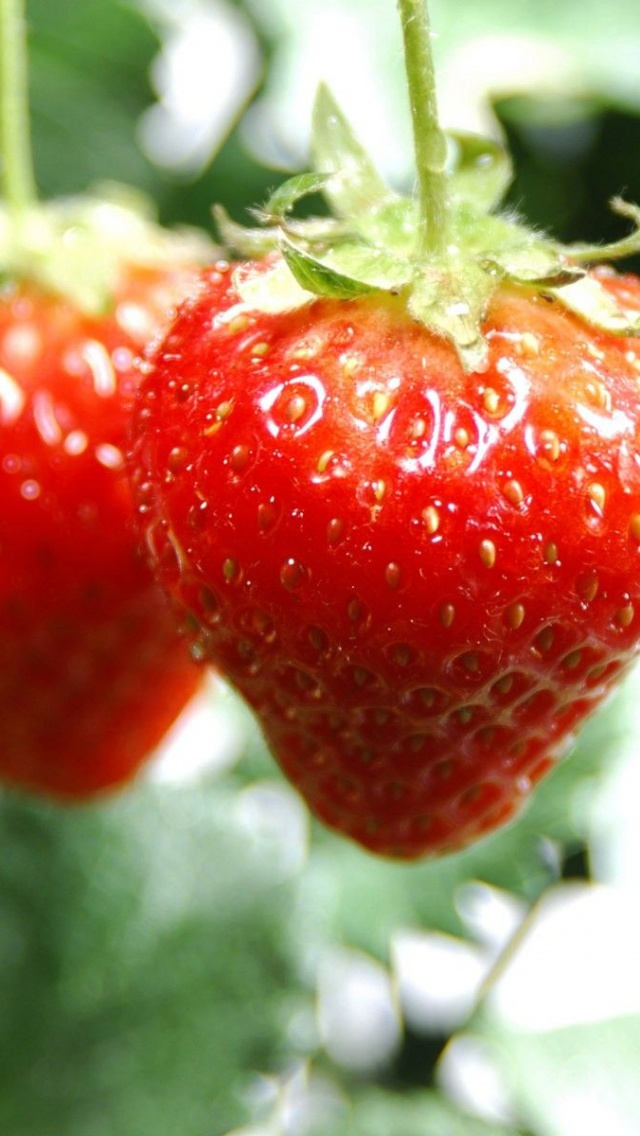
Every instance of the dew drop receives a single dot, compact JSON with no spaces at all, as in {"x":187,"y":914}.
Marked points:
{"x":11,"y":463}
{"x":44,"y":416}
{"x":109,"y":456}
{"x":75,"y":443}
{"x":99,"y":362}
{"x":30,"y":489}
{"x":12,"y":398}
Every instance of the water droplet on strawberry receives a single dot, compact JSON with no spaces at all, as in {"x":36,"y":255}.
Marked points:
{"x":30,"y":489}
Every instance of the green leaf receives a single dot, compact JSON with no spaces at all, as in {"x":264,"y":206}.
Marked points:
{"x":575,"y":1080}
{"x":315,"y":276}
{"x":250,"y":242}
{"x":455,"y":309}
{"x":89,"y":67}
{"x":376,"y":1112}
{"x":482,"y":172}
{"x":356,"y":186}
{"x":374,"y":267}
{"x":287,"y":195}
{"x":587,"y":299}
{"x":627,"y":246}
{"x":531,"y":263}
{"x":144,"y":964}
{"x":274,"y":291}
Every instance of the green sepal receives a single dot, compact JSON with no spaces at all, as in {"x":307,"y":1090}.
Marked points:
{"x":532,"y":263}
{"x":287,"y":195}
{"x":371,"y":243}
{"x":587,"y":299}
{"x":452,"y":303}
{"x":356,"y":186}
{"x":315,"y":276}
{"x":76,"y":247}
{"x":616,"y":250}
{"x":254,"y":243}
{"x":274,"y":291}
{"x":482,"y":171}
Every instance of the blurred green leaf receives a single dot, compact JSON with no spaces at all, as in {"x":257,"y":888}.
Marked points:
{"x":578,"y":1080}
{"x":379,"y":1113}
{"x":145,"y":969}
{"x":89,"y":81}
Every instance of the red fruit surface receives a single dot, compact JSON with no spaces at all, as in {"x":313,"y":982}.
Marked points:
{"x":92,"y":671}
{"x":421,"y":580}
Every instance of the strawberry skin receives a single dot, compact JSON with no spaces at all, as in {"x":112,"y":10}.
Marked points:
{"x":421,"y":579}
{"x":92,"y":670}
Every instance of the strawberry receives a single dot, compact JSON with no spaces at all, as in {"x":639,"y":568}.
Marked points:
{"x":390,"y":470}
{"x":92,"y":672}
{"x":93,"y":669}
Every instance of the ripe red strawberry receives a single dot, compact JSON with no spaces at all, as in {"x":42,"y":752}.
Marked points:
{"x":421,"y":580}
{"x":392,"y":472}
{"x":92,"y":672}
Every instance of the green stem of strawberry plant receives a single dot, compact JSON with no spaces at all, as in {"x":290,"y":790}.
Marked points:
{"x":18,"y":182}
{"x":429,"y":141}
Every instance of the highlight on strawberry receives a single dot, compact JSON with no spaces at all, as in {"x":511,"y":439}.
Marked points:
{"x":389,"y":464}
{"x":93,"y":669}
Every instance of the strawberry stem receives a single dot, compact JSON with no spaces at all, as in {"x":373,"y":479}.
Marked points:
{"x":17,"y":178}
{"x":429,"y":142}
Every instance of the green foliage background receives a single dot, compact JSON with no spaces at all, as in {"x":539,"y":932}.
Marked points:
{"x":163,"y":954}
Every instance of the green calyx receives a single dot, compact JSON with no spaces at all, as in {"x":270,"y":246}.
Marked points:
{"x":77,"y":247}
{"x":373,"y":241}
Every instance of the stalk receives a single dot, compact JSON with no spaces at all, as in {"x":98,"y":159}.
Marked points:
{"x":429,"y":142}
{"x":17,"y":178}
